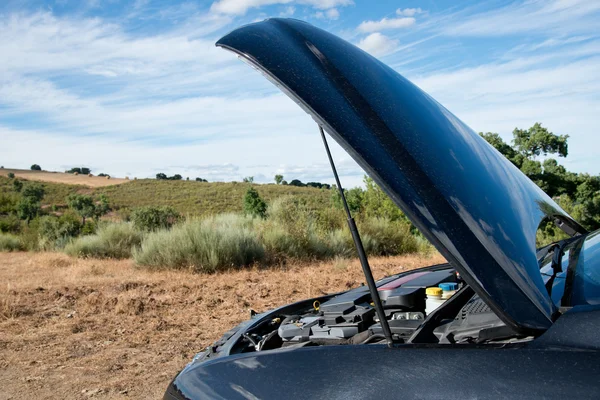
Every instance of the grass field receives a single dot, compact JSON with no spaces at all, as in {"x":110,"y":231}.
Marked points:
{"x":79,"y":329}
{"x":187,"y":197}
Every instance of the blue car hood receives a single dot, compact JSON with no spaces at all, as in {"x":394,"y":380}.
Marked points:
{"x":472,"y":204}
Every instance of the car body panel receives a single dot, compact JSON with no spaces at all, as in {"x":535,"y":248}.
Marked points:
{"x":378,"y":372}
{"x":475,"y":206}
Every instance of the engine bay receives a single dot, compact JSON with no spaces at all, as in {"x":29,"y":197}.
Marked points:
{"x":350,"y":318}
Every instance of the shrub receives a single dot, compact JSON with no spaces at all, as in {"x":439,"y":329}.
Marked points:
{"x":33,"y":191}
{"x":17,"y":185}
{"x":111,"y":241}
{"x":29,"y":236}
{"x":55,"y":232}
{"x":154,"y":218}
{"x":36,"y":167}
{"x":10,"y":243}
{"x":253,"y":204}
{"x":209,"y":245}
{"x":8,"y":203}
{"x":382,"y":237}
{"x":11,"y":175}
{"x":28,"y":208}
{"x":292,"y":230}
{"x":9,"y":224}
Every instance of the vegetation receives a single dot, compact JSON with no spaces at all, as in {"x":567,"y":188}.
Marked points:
{"x":232,"y":225}
{"x":253,"y":204}
{"x":10,"y":242}
{"x":86,"y":207}
{"x":115,"y":240}
{"x":163,"y":177}
{"x":578,"y":194}
{"x":206,"y":245}
{"x":79,"y":170}
{"x":36,"y":167}
{"x":154,"y":218}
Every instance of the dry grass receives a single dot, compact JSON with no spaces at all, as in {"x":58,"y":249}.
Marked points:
{"x":61,"y":177}
{"x":81,"y":328}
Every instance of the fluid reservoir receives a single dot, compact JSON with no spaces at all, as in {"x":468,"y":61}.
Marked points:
{"x":434,"y":299}
{"x":448,"y":289}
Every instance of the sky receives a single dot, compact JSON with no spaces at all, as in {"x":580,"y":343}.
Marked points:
{"x":132,"y":88}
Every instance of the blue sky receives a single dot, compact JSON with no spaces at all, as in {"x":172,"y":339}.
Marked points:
{"x":137,"y":87}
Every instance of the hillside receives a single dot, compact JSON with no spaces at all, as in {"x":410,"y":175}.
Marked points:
{"x":61,"y":177}
{"x":188,"y":197}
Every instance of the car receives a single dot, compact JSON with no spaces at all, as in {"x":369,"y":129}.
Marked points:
{"x":502,"y":319}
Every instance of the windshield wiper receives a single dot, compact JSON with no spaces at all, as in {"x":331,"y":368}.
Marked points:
{"x":364,"y":262}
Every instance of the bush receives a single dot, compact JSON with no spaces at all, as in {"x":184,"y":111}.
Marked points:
{"x":11,"y":175}
{"x":10,"y":243}
{"x":292,"y":231}
{"x":253,"y":204}
{"x":55,"y":232}
{"x":111,"y":241}
{"x":10,"y":224}
{"x":8,"y":203}
{"x":17,"y":185}
{"x":154,"y":218}
{"x":382,"y":237}
{"x":36,"y":167}
{"x":209,"y":245}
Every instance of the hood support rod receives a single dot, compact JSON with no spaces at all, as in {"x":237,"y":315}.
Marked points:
{"x":364,"y":262}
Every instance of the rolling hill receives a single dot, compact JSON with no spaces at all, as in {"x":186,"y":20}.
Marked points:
{"x":187,"y":197}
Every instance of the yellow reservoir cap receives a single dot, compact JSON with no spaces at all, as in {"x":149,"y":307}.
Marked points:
{"x":433,"y":291}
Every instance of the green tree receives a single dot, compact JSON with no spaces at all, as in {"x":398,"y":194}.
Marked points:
{"x":354,"y":198}
{"x":34,"y":191}
{"x":83,"y":205}
{"x":154,"y":218}
{"x":278,"y":179}
{"x":28,"y":208}
{"x":248,"y":179}
{"x":254,"y":204}
{"x":537,"y":141}
{"x":101,"y":207}
{"x":36,"y":167}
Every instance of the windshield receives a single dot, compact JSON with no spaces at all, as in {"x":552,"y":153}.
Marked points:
{"x":578,"y":282}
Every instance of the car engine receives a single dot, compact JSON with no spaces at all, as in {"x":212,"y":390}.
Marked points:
{"x":350,"y":318}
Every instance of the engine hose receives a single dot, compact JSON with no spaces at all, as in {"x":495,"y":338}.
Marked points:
{"x":245,"y":335}
{"x":371,"y":338}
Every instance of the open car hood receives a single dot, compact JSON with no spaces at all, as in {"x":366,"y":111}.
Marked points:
{"x":474,"y":206}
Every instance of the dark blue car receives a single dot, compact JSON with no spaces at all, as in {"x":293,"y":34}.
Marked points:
{"x":503,"y":319}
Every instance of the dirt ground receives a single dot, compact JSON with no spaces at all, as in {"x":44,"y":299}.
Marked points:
{"x":61,"y":177}
{"x":79,"y":329}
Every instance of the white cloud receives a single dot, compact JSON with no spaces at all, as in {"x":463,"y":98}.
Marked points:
{"x":240,"y":7}
{"x":557,"y":16}
{"x":378,"y":44}
{"x":385,"y":24}
{"x":500,"y":96}
{"x":288,"y":12}
{"x":329,"y":14}
{"x":409,"y":12}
